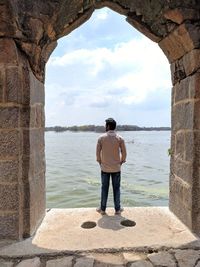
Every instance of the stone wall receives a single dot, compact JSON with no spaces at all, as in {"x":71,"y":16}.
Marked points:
{"x":185,"y":162}
{"x":29,"y":31}
{"x":22,"y":165}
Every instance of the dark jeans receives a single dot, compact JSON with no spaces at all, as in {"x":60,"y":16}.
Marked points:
{"x":105,"y":181}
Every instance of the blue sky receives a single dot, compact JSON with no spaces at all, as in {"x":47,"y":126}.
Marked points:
{"x":106,"y":68}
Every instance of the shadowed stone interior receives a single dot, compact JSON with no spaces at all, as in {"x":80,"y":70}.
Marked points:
{"x":29,"y":31}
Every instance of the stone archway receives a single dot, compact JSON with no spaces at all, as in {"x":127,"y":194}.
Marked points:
{"x":28,"y":34}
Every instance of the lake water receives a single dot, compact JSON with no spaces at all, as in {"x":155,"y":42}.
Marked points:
{"x":73,"y":175}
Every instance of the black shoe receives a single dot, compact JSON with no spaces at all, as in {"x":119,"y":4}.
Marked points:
{"x":99,"y":210}
{"x":118,"y":212}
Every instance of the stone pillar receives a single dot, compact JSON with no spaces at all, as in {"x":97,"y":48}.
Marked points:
{"x":22,"y":160}
{"x":185,"y":160}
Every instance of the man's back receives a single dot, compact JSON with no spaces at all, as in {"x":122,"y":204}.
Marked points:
{"x":111,"y":151}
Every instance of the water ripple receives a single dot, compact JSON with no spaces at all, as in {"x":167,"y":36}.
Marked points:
{"x":73,"y":176}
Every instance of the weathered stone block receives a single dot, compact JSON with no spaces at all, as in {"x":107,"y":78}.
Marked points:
{"x":162,"y":259}
{"x":6,"y":263}
{"x":7,"y":25}
{"x":32,"y":220}
{"x":194,"y":82}
{"x":196,"y":206}
{"x":179,"y":15}
{"x":9,"y":143}
{"x":177,"y":72}
{"x":27,"y":117}
{"x":9,"y":226}
{"x":84,"y":262}
{"x":39,"y":116}
{"x":34,"y":190}
{"x":63,"y":262}
{"x":180,"y":200}
{"x":33,"y":89}
{"x":27,"y":231}
{"x":33,"y":52}
{"x":193,"y":30}
{"x":189,"y":146}
{"x":9,"y":117}
{"x":39,"y":161}
{"x":196,"y":148}
{"x":172,"y":47}
{"x":26,"y":85}
{"x":9,"y":196}
{"x":108,"y":259}
{"x":38,"y":197}
{"x":9,"y":171}
{"x":30,"y":263}
{"x":37,"y":29}
{"x":33,"y":140}
{"x":191,"y":61}
{"x":182,"y":90}
{"x":8,"y":51}
{"x":184,"y":170}
{"x":33,"y":165}
{"x":2,"y":84}
{"x":132,"y":257}
{"x":38,"y":137}
{"x":48,"y":48}
{"x":196,"y":218}
{"x":13,"y":85}
{"x":186,"y":66}
{"x":27,"y":167}
{"x":187,"y":258}
{"x":181,"y":116}
{"x":180,"y":145}
{"x":189,"y":35}
{"x":197,"y":115}
{"x":174,"y":15}
{"x":141,"y":264}
{"x":182,"y":40}
{"x":36,"y":90}
{"x":182,"y":189}
{"x":34,"y":203}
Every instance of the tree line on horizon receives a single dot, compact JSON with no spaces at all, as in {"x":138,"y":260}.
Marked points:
{"x":101,"y":129}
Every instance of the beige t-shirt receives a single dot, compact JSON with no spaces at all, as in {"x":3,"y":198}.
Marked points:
{"x":111,"y":151}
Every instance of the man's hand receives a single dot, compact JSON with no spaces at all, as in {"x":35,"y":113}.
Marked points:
{"x":122,"y":161}
{"x":99,"y":161}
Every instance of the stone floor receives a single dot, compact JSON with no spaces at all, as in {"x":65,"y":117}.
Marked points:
{"x":165,"y":258}
{"x":155,"y":238}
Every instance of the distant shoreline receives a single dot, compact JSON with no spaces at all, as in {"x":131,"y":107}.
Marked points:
{"x":101,"y":129}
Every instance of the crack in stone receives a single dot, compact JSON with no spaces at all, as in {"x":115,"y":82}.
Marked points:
{"x":174,"y":257}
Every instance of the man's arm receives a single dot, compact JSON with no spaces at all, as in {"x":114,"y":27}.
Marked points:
{"x":98,"y":151}
{"x":123,"y":151}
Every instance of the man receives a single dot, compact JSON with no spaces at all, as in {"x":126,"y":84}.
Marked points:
{"x":111,"y":154}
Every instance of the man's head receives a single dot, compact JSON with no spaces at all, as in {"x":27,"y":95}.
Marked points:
{"x":110,"y":124}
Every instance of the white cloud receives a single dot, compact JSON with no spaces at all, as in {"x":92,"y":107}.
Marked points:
{"x":106,"y":79}
{"x":140,"y":64}
{"x":91,"y":58}
{"x":102,"y":14}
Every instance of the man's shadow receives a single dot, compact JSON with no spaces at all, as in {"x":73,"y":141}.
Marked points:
{"x":113,"y":222}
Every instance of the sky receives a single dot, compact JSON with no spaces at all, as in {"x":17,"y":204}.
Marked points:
{"x":106,"y":68}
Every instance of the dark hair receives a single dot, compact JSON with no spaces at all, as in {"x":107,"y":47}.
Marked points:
{"x":111,"y":123}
